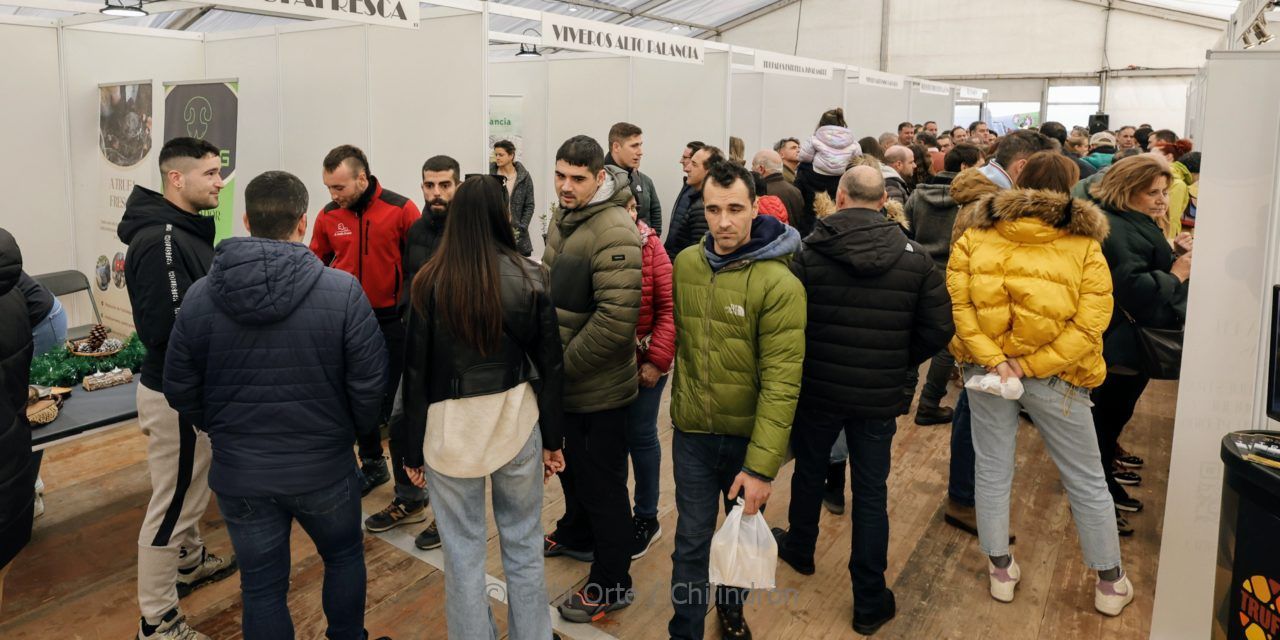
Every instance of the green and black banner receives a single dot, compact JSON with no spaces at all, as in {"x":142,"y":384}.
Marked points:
{"x":208,"y":111}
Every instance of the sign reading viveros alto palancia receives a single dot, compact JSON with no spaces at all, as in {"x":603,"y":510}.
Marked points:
{"x":585,"y":35}
{"x":390,"y":13}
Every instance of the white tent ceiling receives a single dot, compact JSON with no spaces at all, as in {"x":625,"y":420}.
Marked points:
{"x":685,"y":17}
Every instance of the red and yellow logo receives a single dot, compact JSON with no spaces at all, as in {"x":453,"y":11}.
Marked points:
{"x":1258,"y":608}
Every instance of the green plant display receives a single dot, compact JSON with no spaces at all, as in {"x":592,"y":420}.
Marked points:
{"x":58,"y":368}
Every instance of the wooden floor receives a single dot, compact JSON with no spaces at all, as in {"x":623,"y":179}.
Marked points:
{"x":77,"y":578}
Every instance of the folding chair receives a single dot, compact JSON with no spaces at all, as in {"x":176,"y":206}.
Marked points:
{"x":65,"y":283}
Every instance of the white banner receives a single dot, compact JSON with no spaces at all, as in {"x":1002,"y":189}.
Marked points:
{"x":770,"y":62}
{"x":585,"y":35}
{"x":935,"y":88}
{"x":878,"y":79}
{"x":972,"y":93}
{"x":506,"y":122}
{"x":390,"y":13}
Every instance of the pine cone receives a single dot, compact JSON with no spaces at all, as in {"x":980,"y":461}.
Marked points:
{"x":97,"y":336}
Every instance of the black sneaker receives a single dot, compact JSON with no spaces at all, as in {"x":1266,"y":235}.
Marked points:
{"x":802,"y":566}
{"x":429,"y":538}
{"x":1128,"y":460}
{"x":375,"y":473}
{"x":580,"y":608}
{"x":1123,"y":527}
{"x":394,"y":515}
{"x":733,"y":624}
{"x":647,"y":531}
{"x":928,"y":416}
{"x":1126,"y":503}
{"x":551,"y":549}
{"x":867,"y":624}
{"x":833,"y":494}
{"x":1127,"y":478}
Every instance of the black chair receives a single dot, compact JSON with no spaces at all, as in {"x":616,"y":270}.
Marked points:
{"x":65,"y":283}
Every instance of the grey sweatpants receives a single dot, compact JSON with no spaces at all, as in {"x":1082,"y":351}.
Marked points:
{"x":178,"y":459}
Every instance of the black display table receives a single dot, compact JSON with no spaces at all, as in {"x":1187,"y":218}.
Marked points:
{"x":88,"y":411}
{"x":1247,"y":588}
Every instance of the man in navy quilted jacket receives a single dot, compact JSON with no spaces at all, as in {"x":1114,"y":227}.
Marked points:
{"x":280,"y":360}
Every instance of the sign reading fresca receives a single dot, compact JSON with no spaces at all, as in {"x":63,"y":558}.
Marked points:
{"x":585,"y":35}
{"x":391,"y":13}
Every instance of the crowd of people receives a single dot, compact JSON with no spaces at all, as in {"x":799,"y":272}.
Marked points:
{"x":1035,"y":257}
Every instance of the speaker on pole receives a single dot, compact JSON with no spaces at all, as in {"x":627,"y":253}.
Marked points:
{"x":1099,"y":122}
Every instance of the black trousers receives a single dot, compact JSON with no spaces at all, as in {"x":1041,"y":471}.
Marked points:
{"x":1113,"y":404}
{"x":370,"y":444}
{"x":597,"y":505}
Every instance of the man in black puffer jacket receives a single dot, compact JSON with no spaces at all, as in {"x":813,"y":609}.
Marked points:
{"x":17,"y":474}
{"x":281,"y":361}
{"x":877,"y":306}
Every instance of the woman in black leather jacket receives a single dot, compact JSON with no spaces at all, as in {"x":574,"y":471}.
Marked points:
{"x":482,"y":389}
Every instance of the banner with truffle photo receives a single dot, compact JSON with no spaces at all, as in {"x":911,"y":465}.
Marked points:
{"x":125,"y":141}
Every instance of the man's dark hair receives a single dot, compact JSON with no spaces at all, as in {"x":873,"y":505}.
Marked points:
{"x":505,"y":145}
{"x":193,"y":148}
{"x":1191,"y":160}
{"x":1055,"y":130}
{"x":445,"y":163}
{"x":714,"y":155}
{"x":871,"y":146}
{"x":960,"y":155}
{"x":694,"y":146}
{"x":349,"y":154}
{"x":777,"y":146}
{"x":1125,"y":153}
{"x":927,"y":139}
{"x":1020,"y":144}
{"x":973,"y":126}
{"x":1165,"y":135}
{"x":582,"y":151}
{"x":274,"y":202}
{"x":623,"y":131}
{"x":1143,"y":136}
{"x":724,"y":174}
{"x":905,"y":125}
{"x":929,"y":122}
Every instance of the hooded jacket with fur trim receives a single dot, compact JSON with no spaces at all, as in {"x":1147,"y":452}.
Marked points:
{"x":1028,"y":281}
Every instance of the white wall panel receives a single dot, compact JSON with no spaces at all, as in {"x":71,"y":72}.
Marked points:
{"x":36,"y":210}
{"x":872,"y":111}
{"x":1161,"y":102}
{"x":745,"y":117}
{"x":1160,"y":44}
{"x":793,"y":105}
{"x":585,"y":97}
{"x":928,"y":106}
{"x":528,"y":79}
{"x":846,"y":31}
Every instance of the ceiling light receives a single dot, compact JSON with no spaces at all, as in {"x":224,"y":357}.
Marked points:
{"x":1259,"y":31}
{"x":529,"y":51}
{"x":675,"y":28}
{"x":1247,"y":39}
{"x":123,"y":8}
{"x":573,"y":9}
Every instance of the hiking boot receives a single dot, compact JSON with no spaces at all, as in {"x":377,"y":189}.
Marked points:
{"x":867,"y":624}
{"x":429,"y":538}
{"x":833,"y":494}
{"x":733,"y":624}
{"x":1110,"y":598}
{"x":1128,"y":460}
{"x":802,"y":566}
{"x":582,"y":609}
{"x":394,"y":515}
{"x":551,"y":549}
{"x":1126,"y":478}
{"x":172,"y":627}
{"x":647,"y":530}
{"x":1003,"y":581}
{"x":210,"y":569}
{"x":965,"y":518}
{"x":928,"y":416}
{"x":1123,"y":527}
{"x":374,"y":471}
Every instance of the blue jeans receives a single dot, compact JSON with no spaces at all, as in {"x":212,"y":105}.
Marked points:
{"x":960,"y":479}
{"x":870,"y":441}
{"x":1061,"y":413}
{"x":646,"y":454}
{"x":704,"y":466}
{"x":459,"y":506}
{"x":51,"y":332}
{"x":839,"y":450}
{"x":259,"y":529}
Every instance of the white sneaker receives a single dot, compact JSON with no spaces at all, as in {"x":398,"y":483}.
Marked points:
{"x":1003,"y":581}
{"x":211,"y":568}
{"x":173,"y":627}
{"x":1110,"y":598}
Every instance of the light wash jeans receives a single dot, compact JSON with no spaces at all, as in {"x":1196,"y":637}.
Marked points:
{"x":839,"y":450}
{"x":1061,"y":412}
{"x":517,"y":509}
{"x":51,"y":333}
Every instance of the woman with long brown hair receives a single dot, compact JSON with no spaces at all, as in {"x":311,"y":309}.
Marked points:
{"x":482,"y":387}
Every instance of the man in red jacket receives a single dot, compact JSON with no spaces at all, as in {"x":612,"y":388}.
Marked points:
{"x":363,"y":232}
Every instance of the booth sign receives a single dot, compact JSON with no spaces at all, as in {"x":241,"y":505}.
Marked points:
{"x":972,"y":93}
{"x":585,"y":35}
{"x":770,"y":62}
{"x":882,"y":80}
{"x":389,"y":13}
{"x":935,"y":88}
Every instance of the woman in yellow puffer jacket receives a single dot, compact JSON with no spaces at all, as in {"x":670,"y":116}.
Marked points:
{"x":1031,"y":297}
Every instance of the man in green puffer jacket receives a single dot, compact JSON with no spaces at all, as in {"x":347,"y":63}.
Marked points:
{"x":740,"y":319}
{"x":593,"y":254}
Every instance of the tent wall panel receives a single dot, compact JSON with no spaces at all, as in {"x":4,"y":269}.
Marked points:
{"x":872,"y":111}
{"x":585,"y":97}
{"x":1160,"y":102}
{"x":529,"y":80}
{"x":793,"y":105}
{"x":745,"y":117}
{"x":37,"y":211}
{"x":675,"y":103}
{"x":258,"y":139}
{"x":928,"y":106}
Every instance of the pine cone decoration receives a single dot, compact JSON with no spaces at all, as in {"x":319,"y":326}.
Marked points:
{"x":97,"y":336}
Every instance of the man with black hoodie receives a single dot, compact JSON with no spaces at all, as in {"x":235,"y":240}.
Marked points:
{"x":280,"y":360}
{"x":877,"y":305}
{"x":171,"y":247}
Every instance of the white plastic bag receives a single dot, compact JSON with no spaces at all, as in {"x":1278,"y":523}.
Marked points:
{"x":743,"y":552}
{"x":1011,"y":389}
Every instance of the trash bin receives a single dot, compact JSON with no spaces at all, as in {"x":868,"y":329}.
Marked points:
{"x":1247,"y":586}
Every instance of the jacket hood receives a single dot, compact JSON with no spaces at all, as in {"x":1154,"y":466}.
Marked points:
{"x":612,"y":193}
{"x":890,"y":173}
{"x":937,"y":191}
{"x":970,"y":185}
{"x":259,"y":281}
{"x":997,"y":175}
{"x":770,"y":240}
{"x":863,"y":240}
{"x":835,"y":137}
{"x":1180,"y":172}
{"x":1036,"y":216}
{"x":146,"y":208}
{"x":10,"y":262}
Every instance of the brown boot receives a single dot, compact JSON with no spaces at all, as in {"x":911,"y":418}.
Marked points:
{"x":965,"y":518}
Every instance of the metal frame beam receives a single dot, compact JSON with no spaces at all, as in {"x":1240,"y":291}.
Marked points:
{"x":1163,"y":13}
{"x":748,"y":17}
{"x":637,"y":13}
{"x":1114,"y":73}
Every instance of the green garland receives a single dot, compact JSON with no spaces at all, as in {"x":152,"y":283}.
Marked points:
{"x":59,"y":368}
